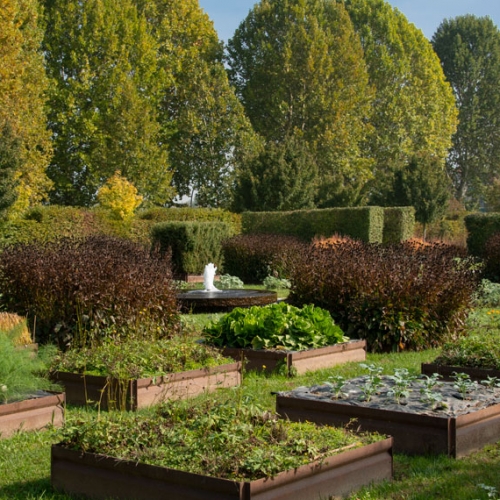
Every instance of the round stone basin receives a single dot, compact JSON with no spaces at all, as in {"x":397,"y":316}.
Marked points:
{"x":224,"y":300}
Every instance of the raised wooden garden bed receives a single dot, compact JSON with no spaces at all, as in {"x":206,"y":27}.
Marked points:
{"x":31,"y":414}
{"x":102,"y":477}
{"x":414,"y":432}
{"x":447,"y":371}
{"x":299,"y":362}
{"x":131,"y":395}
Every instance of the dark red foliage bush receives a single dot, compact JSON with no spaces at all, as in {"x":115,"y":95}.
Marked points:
{"x":491,"y":258}
{"x":253,"y":257}
{"x":75,"y":291}
{"x":397,"y":297}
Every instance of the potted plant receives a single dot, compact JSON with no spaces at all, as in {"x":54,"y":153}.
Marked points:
{"x":284,"y":338}
{"x":424,"y":415}
{"x":135,"y":372}
{"x":27,"y":399}
{"x":213,"y":449}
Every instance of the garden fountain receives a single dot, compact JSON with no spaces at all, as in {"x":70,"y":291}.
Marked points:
{"x":211,"y":299}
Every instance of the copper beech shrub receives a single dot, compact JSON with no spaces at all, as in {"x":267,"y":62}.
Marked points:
{"x":75,"y":291}
{"x":396,"y":297}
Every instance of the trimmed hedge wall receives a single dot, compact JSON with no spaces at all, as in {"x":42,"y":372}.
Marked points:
{"x":193,"y":244}
{"x":53,"y":222}
{"x":480,"y":228}
{"x":399,"y":224}
{"x":363,"y":223}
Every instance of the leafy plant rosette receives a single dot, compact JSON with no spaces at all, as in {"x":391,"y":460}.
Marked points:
{"x":214,"y":438}
{"x":134,"y":359}
{"x":275,"y":326}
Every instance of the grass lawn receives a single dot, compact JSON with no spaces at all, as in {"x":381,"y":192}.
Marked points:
{"x":25,"y":458}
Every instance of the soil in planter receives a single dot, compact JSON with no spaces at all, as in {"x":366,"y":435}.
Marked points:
{"x":449,"y":400}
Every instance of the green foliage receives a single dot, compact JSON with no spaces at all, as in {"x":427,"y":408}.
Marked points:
{"x":104,"y":98}
{"x":10,"y":163}
{"x":274,"y":283}
{"x":424,"y":184}
{"x":491,"y":257}
{"x":413,"y":109}
{"x":134,"y":358}
{"x":193,"y":244}
{"x":479,"y":347}
{"x":192,"y":214}
{"x":207,"y":131}
{"x":364,"y":223}
{"x":83,"y":290}
{"x":469,"y":49}
{"x":119,"y":196}
{"x":25,"y":147}
{"x":480,"y":228}
{"x":487,"y":294}
{"x":399,"y":224}
{"x":214,"y":438}
{"x":226,"y":281}
{"x":299,"y":71}
{"x":252,"y":257}
{"x":20,"y":371}
{"x":282,"y":177}
{"x":276,"y":326}
{"x":396,"y":297}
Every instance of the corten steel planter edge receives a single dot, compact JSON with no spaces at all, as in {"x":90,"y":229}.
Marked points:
{"x":32,"y":414}
{"x":413,"y":433}
{"x":302,"y":361}
{"x":446,"y":371}
{"x":82,"y":388}
{"x":103,"y":477}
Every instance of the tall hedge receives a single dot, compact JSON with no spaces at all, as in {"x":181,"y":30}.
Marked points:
{"x":399,"y":224}
{"x":193,"y":244}
{"x":363,"y":223}
{"x":480,"y":228}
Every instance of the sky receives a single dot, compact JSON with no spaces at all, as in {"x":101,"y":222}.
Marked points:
{"x":426,"y":15}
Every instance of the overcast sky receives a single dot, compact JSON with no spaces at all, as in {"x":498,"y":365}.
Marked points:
{"x":424,"y":14}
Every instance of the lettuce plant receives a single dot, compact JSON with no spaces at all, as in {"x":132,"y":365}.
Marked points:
{"x":276,"y":326}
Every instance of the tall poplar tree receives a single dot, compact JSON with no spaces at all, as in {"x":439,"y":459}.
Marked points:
{"x":469,"y":49}
{"x":205,"y":126}
{"x":298,"y":68}
{"x":413,"y":110}
{"x":25,"y":147}
{"x":104,"y":100}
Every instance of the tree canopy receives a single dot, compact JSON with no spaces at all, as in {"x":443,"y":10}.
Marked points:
{"x":25,"y":147}
{"x":469,"y":50}
{"x":413,"y":110}
{"x":208,"y":132}
{"x":298,"y":68}
{"x":104,"y":100}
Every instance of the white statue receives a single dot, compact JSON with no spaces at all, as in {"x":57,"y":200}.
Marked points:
{"x":208,"y":278}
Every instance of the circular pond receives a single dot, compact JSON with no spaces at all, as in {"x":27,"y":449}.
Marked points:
{"x":224,"y":300}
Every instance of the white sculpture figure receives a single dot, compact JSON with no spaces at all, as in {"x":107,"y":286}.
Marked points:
{"x":208,"y":278}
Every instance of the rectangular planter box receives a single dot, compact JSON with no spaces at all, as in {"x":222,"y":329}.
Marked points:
{"x":413,"y":434}
{"x":446,"y":371}
{"x":299,"y":361}
{"x":31,"y":414}
{"x":111,"y":393}
{"x":102,"y":477}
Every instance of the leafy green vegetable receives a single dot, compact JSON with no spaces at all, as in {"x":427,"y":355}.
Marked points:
{"x":276,"y":326}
